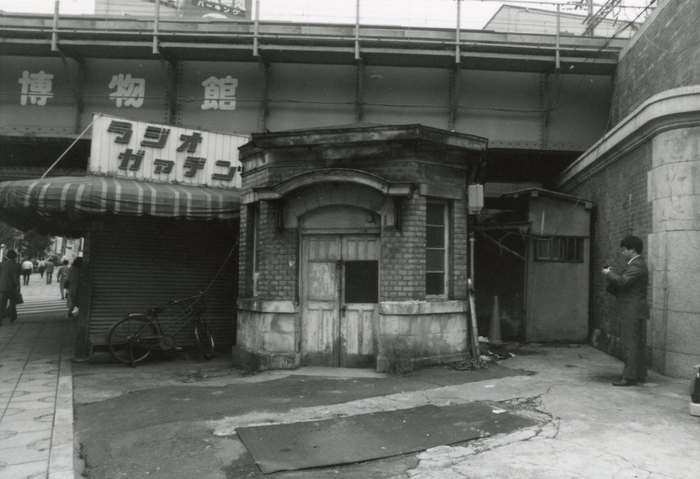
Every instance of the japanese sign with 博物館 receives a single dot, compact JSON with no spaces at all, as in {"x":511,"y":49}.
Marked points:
{"x":149,"y":151}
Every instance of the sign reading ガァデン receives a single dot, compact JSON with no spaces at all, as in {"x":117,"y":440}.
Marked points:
{"x":168,"y":154}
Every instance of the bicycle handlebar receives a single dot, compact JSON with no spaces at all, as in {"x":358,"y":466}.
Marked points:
{"x":194,"y":298}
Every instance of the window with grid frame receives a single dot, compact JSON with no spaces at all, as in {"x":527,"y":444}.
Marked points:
{"x":559,"y":249}
{"x":436,"y":226}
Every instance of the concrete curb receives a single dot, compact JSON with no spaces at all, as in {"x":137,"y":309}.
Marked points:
{"x":61,"y":455}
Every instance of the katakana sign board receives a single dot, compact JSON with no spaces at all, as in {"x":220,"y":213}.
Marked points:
{"x":150,"y":151}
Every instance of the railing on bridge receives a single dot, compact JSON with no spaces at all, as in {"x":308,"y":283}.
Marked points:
{"x":360,"y":15}
{"x":357,"y":32}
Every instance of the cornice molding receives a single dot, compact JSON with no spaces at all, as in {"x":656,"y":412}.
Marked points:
{"x":670,"y":110}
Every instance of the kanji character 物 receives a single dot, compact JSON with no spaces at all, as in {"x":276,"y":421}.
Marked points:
{"x":130,"y":91}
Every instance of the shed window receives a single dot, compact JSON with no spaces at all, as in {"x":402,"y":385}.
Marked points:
{"x":436,"y":249}
{"x":562,"y":249}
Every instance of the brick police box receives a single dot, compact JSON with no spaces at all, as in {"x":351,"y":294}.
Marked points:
{"x":353,"y":247}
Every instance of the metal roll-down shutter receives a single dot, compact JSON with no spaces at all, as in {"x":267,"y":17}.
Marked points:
{"x":139,"y":263}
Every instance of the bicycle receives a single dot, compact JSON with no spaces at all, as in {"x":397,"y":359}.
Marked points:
{"x":132,"y":339}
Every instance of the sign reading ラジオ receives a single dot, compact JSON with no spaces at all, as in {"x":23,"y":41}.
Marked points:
{"x":168,"y":154}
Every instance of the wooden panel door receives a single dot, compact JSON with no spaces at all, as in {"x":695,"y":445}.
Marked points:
{"x":320,"y":301}
{"x":359,"y":312}
{"x":340,"y":291}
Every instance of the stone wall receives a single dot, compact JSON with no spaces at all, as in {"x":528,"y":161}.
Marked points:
{"x":674,"y":250}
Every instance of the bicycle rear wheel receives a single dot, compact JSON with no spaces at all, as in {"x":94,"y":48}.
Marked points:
{"x":132,"y":339}
{"x":205,"y":341}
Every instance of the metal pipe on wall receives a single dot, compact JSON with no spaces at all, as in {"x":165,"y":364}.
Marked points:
{"x":357,"y":30}
{"x":558,"y":58}
{"x":256,"y":28}
{"x":54,"y":33}
{"x":156,"y":26}
{"x":458,"y":53}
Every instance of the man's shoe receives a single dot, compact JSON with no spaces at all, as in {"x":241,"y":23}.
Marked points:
{"x":625,"y":382}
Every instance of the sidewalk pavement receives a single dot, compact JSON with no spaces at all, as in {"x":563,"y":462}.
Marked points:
{"x":36,"y":390}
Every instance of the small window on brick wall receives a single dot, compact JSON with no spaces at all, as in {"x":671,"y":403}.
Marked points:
{"x":436,"y":232}
{"x":561,"y":249}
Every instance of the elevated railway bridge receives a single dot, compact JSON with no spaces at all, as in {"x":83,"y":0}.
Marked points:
{"x":540,"y":100}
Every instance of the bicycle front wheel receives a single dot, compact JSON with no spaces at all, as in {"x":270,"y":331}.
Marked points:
{"x":132,"y":339}
{"x":205,"y":341}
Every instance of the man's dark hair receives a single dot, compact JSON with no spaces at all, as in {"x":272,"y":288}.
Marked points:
{"x":12,"y":254}
{"x":632,"y":242}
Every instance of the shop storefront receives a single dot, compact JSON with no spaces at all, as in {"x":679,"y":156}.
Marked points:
{"x":159,"y":210}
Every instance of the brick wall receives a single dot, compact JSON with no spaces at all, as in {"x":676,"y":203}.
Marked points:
{"x":622,"y":208}
{"x":459,"y":252}
{"x":403,"y":252}
{"x":278,"y":279}
{"x":665,"y":56}
{"x":403,"y":255}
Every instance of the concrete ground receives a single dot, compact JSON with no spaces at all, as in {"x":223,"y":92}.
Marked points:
{"x":177,"y":418}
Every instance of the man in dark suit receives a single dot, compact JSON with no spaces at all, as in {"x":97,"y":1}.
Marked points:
{"x":10,"y":272}
{"x":630,"y":288}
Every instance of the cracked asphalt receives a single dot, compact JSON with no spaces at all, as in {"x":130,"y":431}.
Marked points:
{"x":177,"y":418}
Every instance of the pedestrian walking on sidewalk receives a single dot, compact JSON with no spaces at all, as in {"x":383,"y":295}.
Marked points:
{"x":41,"y":267}
{"x":27,"y":268}
{"x":74,"y":284}
{"x":49,"y":271}
{"x":630,"y":289}
{"x":9,"y":287}
{"x":61,"y":277}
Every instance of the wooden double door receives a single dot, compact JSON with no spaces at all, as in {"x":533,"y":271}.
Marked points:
{"x":340,"y":295}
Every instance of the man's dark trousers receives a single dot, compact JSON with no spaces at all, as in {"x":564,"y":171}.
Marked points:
{"x":633,"y":336}
{"x":8,"y":306}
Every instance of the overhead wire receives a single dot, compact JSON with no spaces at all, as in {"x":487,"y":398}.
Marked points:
{"x":608,"y":42}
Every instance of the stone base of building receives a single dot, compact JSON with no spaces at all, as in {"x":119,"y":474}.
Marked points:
{"x":267,"y":335}
{"x":410,"y":335}
{"x":385,"y":365}
{"x":416,"y":334}
{"x":252,"y":361}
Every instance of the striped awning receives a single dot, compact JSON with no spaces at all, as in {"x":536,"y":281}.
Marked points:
{"x":94,"y":195}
